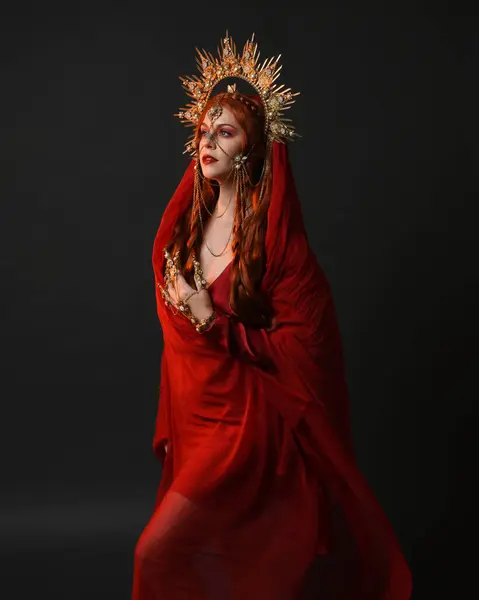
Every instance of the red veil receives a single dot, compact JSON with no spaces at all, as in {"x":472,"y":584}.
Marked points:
{"x":296,"y":371}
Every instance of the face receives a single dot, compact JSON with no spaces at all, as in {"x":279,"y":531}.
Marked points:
{"x":229,"y":138}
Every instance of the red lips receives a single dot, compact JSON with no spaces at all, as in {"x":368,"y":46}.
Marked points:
{"x":207,"y":159}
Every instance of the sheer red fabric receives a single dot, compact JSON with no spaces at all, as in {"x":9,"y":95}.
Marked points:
{"x":260,"y":475}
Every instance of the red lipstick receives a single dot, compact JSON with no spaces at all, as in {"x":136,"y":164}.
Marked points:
{"x":207,"y":159}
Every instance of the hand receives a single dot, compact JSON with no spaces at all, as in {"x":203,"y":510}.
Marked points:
{"x":179,"y":289}
{"x":200,"y":304}
{"x":199,"y":301}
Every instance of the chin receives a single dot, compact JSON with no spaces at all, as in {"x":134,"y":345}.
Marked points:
{"x":212,"y":171}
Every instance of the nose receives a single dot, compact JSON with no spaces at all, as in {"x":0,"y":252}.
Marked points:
{"x":209,"y":140}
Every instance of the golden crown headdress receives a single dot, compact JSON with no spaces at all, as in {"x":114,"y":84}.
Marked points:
{"x":276,"y":99}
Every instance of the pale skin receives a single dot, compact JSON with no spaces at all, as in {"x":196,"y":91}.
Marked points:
{"x":228,"y":140}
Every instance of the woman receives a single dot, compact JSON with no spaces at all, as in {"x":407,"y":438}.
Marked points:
{"x":252,"y":431}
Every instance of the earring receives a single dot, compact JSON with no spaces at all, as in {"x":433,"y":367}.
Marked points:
{"x":197,"y":193}
{"x":240,"y":160}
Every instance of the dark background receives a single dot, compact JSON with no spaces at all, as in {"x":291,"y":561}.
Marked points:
{"x":91,"y":154}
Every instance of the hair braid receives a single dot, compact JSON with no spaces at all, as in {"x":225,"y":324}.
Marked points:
{"x":193,"y":241}
{"x":237,"y":239}
{"x":188,"y":234}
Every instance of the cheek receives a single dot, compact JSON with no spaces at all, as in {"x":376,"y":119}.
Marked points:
{"x":236,"y":146}
{"x":224,"y":154}
{"x":224,"y":163}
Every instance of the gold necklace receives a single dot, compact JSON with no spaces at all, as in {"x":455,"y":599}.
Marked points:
{"x":211,"y":214}
{"x":206,"y":243}
{"x":224,"y":249}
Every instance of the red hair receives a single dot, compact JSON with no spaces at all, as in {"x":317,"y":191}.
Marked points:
{"x":247,"y":300}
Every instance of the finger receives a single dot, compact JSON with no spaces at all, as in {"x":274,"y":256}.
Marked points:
{"x":172,"y":294}
{"x":198,"y":282}
{"x":175,"y":285}
{"x":184,"y":287}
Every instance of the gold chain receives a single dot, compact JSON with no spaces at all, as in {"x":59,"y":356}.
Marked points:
{"x":211,"y":214}
{"x":206,"y":243}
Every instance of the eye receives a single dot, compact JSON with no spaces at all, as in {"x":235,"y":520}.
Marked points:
{"x":227,"y":133}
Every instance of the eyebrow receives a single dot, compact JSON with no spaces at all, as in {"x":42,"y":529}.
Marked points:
{"x":220,"y":125}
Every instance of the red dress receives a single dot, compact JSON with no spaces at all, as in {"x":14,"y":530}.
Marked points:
{"x":260,"y":475}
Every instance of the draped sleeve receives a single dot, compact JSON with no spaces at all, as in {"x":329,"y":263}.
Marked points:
{"x":302,"y":357}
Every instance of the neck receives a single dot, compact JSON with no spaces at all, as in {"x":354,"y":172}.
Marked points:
{"x":226,"y":199}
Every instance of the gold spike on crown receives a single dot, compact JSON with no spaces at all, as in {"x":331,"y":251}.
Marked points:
{"x":275,"y":98}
